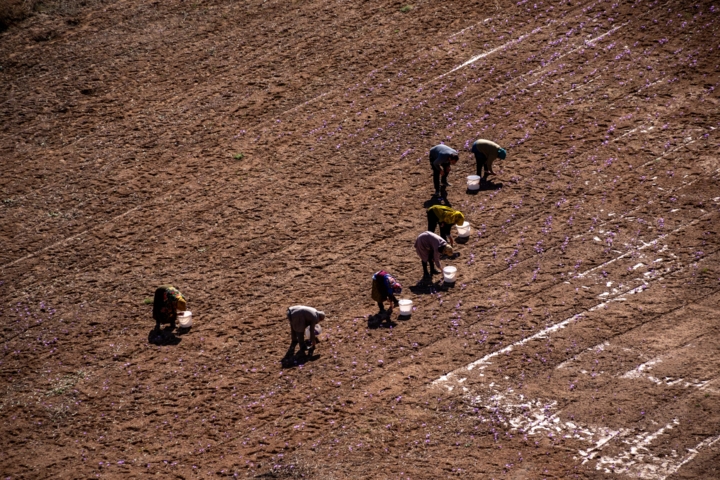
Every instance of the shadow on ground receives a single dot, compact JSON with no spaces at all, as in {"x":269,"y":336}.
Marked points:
{"x":381,"y":320}
{"x":298,"y":360}
{"x":166,"y":336}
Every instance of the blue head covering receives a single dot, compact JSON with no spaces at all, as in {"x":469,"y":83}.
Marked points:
{"x":502,"y":154}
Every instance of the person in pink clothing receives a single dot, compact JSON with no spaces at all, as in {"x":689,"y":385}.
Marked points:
{"x":429,"y":246}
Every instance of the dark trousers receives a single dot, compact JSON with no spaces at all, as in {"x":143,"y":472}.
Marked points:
{"x":431,"y":271}
{"x":437,"y":172}
{"x":433,"y":222}
{"x":381,"y":303}
{"x":296,"y":337}
{"x":425,"y":265}
{"x":481,"y":163}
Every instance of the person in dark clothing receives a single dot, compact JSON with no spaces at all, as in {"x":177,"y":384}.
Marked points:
{"x":442,"y":158}
{"x":486,"y":152}
{"x":385,"y":287}
{"x":167,"y":302}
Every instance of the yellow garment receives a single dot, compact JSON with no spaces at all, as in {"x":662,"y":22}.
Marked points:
{"x":447,"y":215}
{"x":181,"y":304}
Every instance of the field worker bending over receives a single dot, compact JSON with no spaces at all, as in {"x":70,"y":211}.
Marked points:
{"x":486,"y":152}
{"x":446,"y":217}
{"x":385,"y":287}
{"x":428,"y":247}
{"x":441,"y":158}
{"x":168,"y":301}
{"x":301,"y":317}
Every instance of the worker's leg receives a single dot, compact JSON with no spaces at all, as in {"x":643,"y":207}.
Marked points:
{"x":479,"y":163}
{"x":300,"y":338}
{"x":381,"y":306}
{"x":433,"y":271}
{"x":432,"y":221}
{"x":293,"y":344}
{"x":445,"y":231}
{"x":426,"y":272}
{"x":436,"y":178}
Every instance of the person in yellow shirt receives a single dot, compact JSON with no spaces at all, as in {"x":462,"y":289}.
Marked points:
{"x":446,"y":217}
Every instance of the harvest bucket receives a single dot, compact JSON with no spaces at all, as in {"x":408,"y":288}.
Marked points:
{"x":449,"y":274}
{"x":318,"y":331}
{"x":185,"y":319}
{"x":473,"y":182}
{"x":405,"y":306}
{"x":463,"y":230}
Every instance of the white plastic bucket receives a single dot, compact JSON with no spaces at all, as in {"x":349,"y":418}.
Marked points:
{"x":463,"y":230}
{"x":184,"y":319}
{"x":405,"y":306}
{"x":473,"y":182}
{"x":318,"y":331}
{"x":449,"y":274}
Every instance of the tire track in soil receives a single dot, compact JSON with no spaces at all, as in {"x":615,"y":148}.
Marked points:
{"x":266,"y":121}
{"x":545,"y":423}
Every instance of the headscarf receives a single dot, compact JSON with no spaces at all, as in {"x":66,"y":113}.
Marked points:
{"x":167,"y":302}
{"x":502,"y":153}
{"x":458,"y":218}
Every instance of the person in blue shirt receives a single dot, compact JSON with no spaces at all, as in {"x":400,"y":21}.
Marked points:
{"x":441,"y":158}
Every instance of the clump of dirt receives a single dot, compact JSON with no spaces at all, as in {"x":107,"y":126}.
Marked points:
{"x":15,"y":11}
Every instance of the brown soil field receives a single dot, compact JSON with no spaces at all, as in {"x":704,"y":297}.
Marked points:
{"x":264,"y":153}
